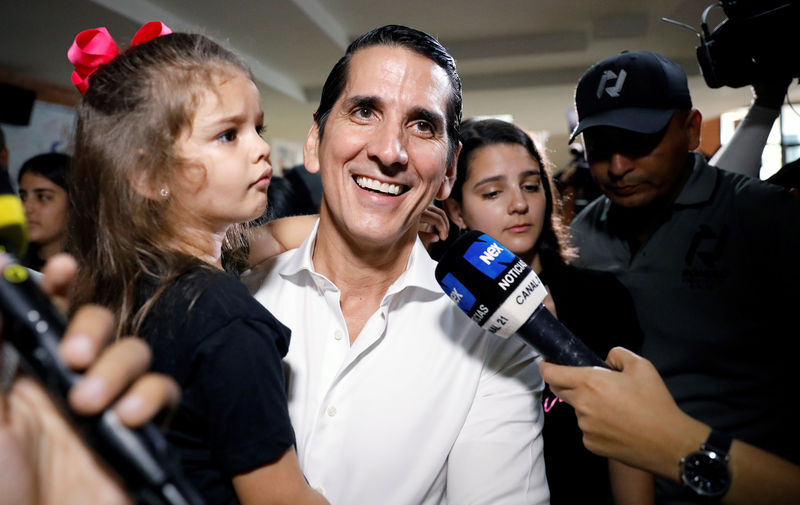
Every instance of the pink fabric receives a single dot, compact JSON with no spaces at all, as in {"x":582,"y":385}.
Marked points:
{"x":93,"y":48}
{"x":150,"y":31}
{"x":89,"y":50}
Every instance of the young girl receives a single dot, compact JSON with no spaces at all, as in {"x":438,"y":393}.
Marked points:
{"x":168,"y":160}
{"x":503,"y":188}
{"x":43,"y":191}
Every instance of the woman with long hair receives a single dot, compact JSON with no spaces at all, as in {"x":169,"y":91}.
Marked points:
{"x":504,"y":188}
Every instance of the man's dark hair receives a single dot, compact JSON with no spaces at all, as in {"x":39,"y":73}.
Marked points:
{"x":408,"y":38}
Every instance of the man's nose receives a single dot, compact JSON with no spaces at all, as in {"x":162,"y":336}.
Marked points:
{"x":388,"y":145}
{"x":619,"y":164}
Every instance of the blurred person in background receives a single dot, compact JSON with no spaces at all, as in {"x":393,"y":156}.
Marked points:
{"x":43,"y":191}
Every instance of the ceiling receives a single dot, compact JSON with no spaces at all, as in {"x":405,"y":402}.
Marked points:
{"x":517,"y":57}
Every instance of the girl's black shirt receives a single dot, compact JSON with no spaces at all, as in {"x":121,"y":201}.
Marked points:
{"x":598,"y":309}
{"x":224,"y":349}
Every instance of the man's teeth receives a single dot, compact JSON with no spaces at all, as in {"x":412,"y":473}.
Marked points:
{"x":383,"y":187}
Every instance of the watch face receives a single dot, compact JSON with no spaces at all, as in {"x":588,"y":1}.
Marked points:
{"x":706,"y":473}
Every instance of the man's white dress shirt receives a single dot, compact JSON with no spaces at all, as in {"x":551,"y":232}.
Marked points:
{"x":423,"y":408}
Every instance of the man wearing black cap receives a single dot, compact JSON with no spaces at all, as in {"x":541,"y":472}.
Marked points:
{"x":708,"y":256}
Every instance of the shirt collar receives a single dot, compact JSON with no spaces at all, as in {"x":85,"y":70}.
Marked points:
{"x":300,"y":261}
{"x":700,"y":185}
{"x":419,"y":271}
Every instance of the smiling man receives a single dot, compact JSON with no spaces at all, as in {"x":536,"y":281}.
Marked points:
{"x":710,"y":259}
{"x":396,"y":397}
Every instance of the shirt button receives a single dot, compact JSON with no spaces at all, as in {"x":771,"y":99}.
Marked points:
{"x":331,"y":411}
{"x":338,"y":335}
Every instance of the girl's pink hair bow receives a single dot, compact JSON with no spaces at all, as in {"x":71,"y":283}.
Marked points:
{"x":93,"y":48}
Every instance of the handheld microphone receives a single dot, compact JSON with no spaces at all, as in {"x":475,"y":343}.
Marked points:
{"x":501,"y":294}
{"x":13,"y":232}
{"x":33,"y":328}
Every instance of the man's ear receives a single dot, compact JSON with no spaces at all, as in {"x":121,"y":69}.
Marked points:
{"x":311,"y":149}
{"x":454,"y":211}
{"x":693,"y":125}
{"x":449,"y":177}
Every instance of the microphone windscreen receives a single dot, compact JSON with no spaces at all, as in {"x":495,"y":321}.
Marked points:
{"x":493,"y":286}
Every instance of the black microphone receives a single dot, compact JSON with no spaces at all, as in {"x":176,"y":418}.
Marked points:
{"x":33,"y":327}
{"x":501,"y":294}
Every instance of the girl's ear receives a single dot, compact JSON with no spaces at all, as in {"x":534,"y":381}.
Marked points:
{"x":146,"y":188}
{"x":453,"y":209}
{"x":143,"y":184}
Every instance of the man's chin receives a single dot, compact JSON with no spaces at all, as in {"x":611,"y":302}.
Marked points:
{"x":631,"y":201}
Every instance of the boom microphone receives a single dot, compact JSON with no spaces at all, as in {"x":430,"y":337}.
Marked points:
{"x":501,"y":294}
{"x":33,"y":328}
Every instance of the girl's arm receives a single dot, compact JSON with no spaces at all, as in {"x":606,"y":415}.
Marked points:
{"x":280,"y":482}
{"x":286,"y":233}
{"x":279,"y":236}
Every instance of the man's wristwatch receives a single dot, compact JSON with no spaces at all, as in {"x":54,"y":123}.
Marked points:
{"x":706,"y":471}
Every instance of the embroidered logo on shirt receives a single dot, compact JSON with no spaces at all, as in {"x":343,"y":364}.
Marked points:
{"x":706,"y":249}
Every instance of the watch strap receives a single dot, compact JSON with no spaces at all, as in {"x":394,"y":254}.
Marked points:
{"x":719,"y":442}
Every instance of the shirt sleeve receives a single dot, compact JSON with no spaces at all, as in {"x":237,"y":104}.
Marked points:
{"x":240,"y":384}
{"x":498,"y":456}
{"x":742,"y":153}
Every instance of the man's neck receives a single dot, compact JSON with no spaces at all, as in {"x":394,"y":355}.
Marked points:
{"x":362,"y":272}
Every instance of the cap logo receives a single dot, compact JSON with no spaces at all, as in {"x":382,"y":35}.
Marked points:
{"x":612,"y":90}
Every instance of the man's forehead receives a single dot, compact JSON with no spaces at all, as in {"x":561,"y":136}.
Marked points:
{"x":390,"y":70}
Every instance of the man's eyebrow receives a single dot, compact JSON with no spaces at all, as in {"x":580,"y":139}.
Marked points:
{"x":358,"y":101}
{"x":437,"y":120}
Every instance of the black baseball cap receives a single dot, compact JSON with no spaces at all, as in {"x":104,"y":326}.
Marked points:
{"x":634,"y":90}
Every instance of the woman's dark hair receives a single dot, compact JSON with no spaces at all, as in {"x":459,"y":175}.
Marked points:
{"x":553,"y":244}
{"x":408,"y":38}
{"x":52,"y":166}
{"x":133,"y":113}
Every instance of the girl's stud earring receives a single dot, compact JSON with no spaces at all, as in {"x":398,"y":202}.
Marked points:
{"x":164,"y":192}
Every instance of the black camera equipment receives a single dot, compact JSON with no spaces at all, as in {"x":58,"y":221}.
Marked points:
{"x":756,"y":42}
